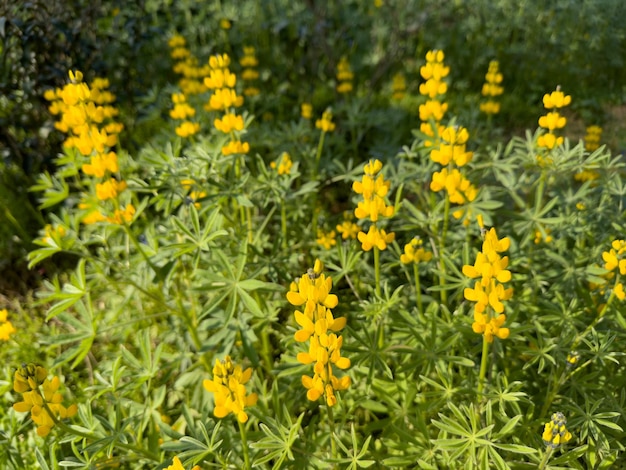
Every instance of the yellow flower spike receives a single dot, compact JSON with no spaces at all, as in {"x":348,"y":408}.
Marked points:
{"x":40,"y":397}
{"x":318,"y":326}
{"x":555,"y":433}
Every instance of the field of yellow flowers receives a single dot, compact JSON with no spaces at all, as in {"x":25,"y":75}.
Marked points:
{"x":306,"y":239}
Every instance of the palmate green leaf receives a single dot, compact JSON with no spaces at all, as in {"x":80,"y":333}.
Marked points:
{"x":55,"y":190}
{"x":516,"y":448}
{"x":37,"y":256}
{"x":449,"y":425}
{"x":278,"y":440}
{"x":66,"y":296}
{"x":508,"y":427}
{"x":41,"y":459}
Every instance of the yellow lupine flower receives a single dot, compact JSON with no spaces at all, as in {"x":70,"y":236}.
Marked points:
{"x":228,"y":388}
{"x":109,"y":189}
{"x":414,"y":253}
{"x":6,"y":327}
{"x":40,"y":397}
{"x":187,"y":128}
{"x":325,"y":124}
{"x":229,"y":122}
{"x":234,"y":147}
{"x":306,"y":110}
{"x":555,"y":433}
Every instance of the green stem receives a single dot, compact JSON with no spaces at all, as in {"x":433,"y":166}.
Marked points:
{"x":138,"y":247}
{"x":483,"y":365}
{"x":283,"y":223}
{"x":244,"y":445}
{"x":418,"y":289}
{"x":377,"y":270}
{"x":249,"y":219}
{"x":442,"y":246}
{"x":546,"y":457}
{"x":331,"y":425}
{"x":315,"y":176}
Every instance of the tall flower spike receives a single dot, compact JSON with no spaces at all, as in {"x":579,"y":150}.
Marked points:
{"x":555,"y":433}
{"x":228,"y":388}
{"x":318,"y":326}
{"x":492,"y":89}
{"x":489,"y":291}
{"x":40,"y":397}
{"x":553,"y":120}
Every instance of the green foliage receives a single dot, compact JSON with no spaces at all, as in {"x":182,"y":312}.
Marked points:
{"x":141,"y":308}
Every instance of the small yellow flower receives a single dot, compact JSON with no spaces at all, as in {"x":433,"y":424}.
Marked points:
{"x":284,"y":164}
{"x":348,"y":229}
{"x":375,"y":238}
{"x":176,"y":465}
{"x":187,"y":128}
{"x":414,"y":253}
{"x":327,"y":240}
{"x":228,"y":388}
{"x":555,"y":433}
{"x":325,"y":124}
{"x":109,"y":189}
{"x":306,"y":110}
{"x":6,"y":327}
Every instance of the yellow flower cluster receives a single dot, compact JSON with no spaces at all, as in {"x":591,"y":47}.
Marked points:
{"x":190,"y":84}
{"x":615,"y":260}
{"x":187,"y":129}
{"x":284,"y":164}
{"x":6,"y":327}
{"x":326,"y":124}
{"x":434,"y":89}
{"x":414,"y":253}
{"x":319,"y":327}
{"x":229,"y":390}
{"x":373,"y":188}
{"x":398,"y":86}
{"x":250,"y":74}
{"x":592,"y":138}
{"x":452,"y":147}
{"x":40,"y":396}
{"x":491,"y":89}
{"x":347,"y":229}
{"x":450,"y":151}
{"x":539,"y":236}
{"x":553,"y":119}
{"x":326,"y":239}
{"x":306,"y":110}
{"x":344,"y":76}
{"x":489,"y":291}
{"x":555,"y":433}
{"x":194,"y":195}
{"x":459,"y":189}
{"x":86,"y":115}
{"x":224,"y":98}
{"x":187,"y":66}
{"x":176,"y":463}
